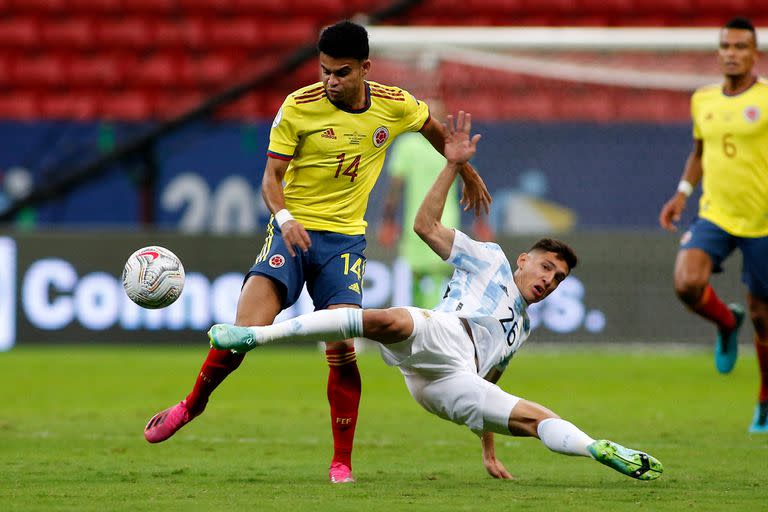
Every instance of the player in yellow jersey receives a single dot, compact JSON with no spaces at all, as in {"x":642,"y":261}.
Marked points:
{"x":328,"y":143}
{"x":730,"y":158}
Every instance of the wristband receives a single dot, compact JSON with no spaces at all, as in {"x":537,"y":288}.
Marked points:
{"x":282,"y":217}
{"x":685,"y":188}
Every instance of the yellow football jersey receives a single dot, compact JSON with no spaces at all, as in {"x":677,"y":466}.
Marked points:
{"x":336,"y":155}
{"x":734,"y":132}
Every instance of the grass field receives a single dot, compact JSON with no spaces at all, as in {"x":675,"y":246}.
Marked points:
{"x":71,"y":435}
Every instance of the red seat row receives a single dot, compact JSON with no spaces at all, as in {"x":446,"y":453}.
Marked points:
{"x":83,"y":33}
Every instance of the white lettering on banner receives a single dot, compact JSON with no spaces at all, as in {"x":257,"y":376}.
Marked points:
{"x":54,"y":297}
{"x":97,"y":300}
{"x":42,"y":293}
{"x":7,"y":293}
{"x":234,"y":206}
{"x":564,"y":310}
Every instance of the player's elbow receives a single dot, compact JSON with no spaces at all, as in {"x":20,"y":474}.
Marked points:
{"x":423,"y":227}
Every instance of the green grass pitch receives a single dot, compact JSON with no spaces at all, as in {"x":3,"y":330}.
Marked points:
{"x":71,"y":421}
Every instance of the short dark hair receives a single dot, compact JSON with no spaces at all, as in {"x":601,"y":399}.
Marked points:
{"x":344,"y":39}
{"x":560,"y":248}
{"x":742,"y":23}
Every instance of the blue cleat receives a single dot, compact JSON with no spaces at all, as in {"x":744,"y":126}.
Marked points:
{"x":727,"y":344}
{"x":760,"y":421}
{"x":232,"y":337}
{"x":626,"y":460}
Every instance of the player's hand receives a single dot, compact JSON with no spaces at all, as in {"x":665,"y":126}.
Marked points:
{"x":671,"y":211}
{"x":388,"y":233}
{"x":496,"y":469}
{"x":295,"y":235}
{"x":474,"y":193}
{"x":459,"y":147}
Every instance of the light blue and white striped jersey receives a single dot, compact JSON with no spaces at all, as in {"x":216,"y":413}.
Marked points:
{"x":483,"y":291}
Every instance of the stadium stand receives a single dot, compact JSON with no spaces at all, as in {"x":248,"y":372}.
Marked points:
{"x":73,"y":58}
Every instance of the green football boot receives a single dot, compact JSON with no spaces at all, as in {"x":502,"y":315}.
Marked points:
{"x":625,"y":460}
{"x":232,"y":337}
{"x":727,"y":344}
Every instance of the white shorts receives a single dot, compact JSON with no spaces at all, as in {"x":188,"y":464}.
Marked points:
{"x":438,"y":363}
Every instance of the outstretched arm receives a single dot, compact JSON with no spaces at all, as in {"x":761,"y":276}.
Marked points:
{"x":493,"y":466}
{"x":459,"y":148}
{"x":474,"y":194}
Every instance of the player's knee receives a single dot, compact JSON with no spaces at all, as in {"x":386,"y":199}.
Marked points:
{"x":384,"y":324}
{"x":689,"y":287}
{"x":758,"y":313}
{"x":526,"y":416}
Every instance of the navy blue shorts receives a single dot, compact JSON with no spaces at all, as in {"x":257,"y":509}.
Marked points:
{"x":719,"y":244}
{"x":332,"y":269}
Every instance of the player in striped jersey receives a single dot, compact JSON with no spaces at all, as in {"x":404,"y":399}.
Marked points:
{"x":452,"y":356}
{"x":327,"y":143}
{"x":730,"y":158}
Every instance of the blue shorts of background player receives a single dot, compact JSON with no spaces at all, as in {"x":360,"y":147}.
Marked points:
{"x":332,"y":268}
{"x":719,"y":244}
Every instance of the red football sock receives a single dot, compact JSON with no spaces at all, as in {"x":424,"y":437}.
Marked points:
{"x":761,"y":348}
{"x":344,"y":397}
{"x":712,"y":308}
{"x":215,"y":369}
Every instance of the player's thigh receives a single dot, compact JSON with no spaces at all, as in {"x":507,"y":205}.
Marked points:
{"x":260,"y":301}
{"x":464,"y":398}
{"x":703,"y":248}
{"x":525,"y":417}
{"x":334,"y":273}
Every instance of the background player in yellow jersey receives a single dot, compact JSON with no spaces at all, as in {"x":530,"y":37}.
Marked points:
{"x":328,"y":143}
{"x":730,"y":158}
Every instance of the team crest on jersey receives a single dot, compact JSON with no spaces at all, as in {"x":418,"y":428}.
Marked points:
{"x":277,"y":261}
{"x":752,"y":114}
{"x":380,"y":136}
{"x":278,"y":118}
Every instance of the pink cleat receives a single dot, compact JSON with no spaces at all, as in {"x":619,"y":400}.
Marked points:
{"x":165,"y":423}
{"x":340,"y":474}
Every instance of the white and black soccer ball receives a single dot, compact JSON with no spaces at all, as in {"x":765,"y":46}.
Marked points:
{"x":153,"y":277}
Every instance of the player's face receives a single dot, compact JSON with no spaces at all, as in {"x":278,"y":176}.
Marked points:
{"x":539,"y":274}
{"x":737,"y":53}
{"x":344,"y":79}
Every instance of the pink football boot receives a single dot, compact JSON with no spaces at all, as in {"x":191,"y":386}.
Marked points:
{"x":165,"y":423}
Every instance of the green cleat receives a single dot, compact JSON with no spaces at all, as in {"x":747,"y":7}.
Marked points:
{"x":231,"y":337}
{"x":625,"y":460}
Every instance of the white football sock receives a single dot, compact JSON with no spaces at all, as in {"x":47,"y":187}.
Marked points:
{"x":564,"y":437}
{"x":325,"y":325}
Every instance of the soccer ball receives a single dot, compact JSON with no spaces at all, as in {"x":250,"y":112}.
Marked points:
{"x":153,"y":277}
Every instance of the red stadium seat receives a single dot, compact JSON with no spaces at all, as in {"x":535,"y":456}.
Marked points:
{"x":68,"y":106}
{"x":150,"y":7}
{"x":262,"y":8}
{"x":553,"y":8}
{"x":46,"y":7}
{"x":96,"y":6}
{"x":607,"y":7}
{"x":207,"y":6}
{"x":99,"y":70}
{"x":182,"y":33}
{"x":292,"y":34}
{"x":20,"y":106}
{"x":591,"y":104}
{"x":246,"y":108}
{"x":42,"y":71}
{"x":160,"y":69}
{"x":209,"y":70}
{"x":670,"y":8}
{"x":19,"y":32}
{"x":497,"y":8}
{"x":321,"y":9}
{"x":237,"y":33}
{"x":171,"y":103}
{"x":126,"y":106}
{"x":133,"y":32}
{"x":68,"y":33}
{"x":720,"y":8}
